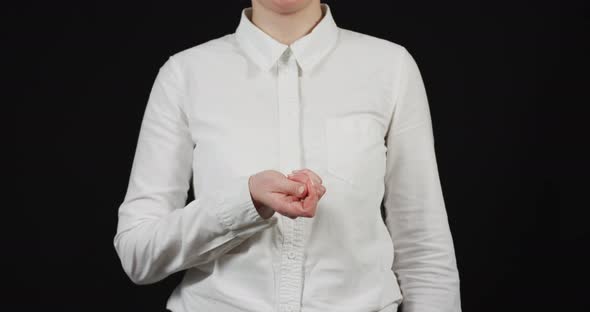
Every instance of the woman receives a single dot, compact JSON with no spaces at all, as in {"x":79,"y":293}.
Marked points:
{"x":297,"y":134}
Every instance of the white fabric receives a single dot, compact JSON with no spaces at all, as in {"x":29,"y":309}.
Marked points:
{"x":351,"y":107}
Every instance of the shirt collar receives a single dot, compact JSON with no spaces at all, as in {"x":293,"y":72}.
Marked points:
{"x":308,"y":50}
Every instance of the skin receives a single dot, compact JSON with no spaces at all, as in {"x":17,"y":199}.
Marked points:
{"x":315,"y":190}
{"x":294,"y":195}
{"x":272,"y":191}
{"x":286,"y":20}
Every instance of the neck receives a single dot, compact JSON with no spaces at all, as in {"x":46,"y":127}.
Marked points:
{"x":286,"y":26}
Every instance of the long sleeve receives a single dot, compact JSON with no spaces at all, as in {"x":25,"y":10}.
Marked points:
{"x":415,"y":213}
{"x":157,"y":234}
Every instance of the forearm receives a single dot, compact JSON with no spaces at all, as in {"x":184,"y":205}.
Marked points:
{"x":152,"y":248}
{"x":424,"y":259}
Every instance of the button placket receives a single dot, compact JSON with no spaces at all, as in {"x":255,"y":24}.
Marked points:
{"x":289,"y":118}
{"x":290,"y":156}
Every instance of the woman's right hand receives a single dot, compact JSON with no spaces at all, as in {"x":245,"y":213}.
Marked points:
{"x":272,"y":191}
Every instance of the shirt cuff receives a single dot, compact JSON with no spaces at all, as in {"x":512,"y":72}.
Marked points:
{"x":235,"y":208}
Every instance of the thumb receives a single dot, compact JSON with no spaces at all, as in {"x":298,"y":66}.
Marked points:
{"x":290,"y":187}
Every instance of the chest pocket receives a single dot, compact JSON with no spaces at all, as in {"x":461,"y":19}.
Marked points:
{"x":355,"y":149}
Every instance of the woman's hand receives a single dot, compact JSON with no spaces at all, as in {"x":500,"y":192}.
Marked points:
{"x":315,"y":189}
{"x":271,"y":191}
{"x":293,"y":196}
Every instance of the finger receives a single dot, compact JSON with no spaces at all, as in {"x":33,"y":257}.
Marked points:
{"x":303,"y":178}
{"x":286,"y":205}
{"x":299,"y":177}
{"x":322,"y":190}
{"x":290,"y":187}
{"x":317,"y":179}
{"x":307,"y":206}
{"x":292,"y":203}
{"x":295,"y":206}
{"x":310,"y":202}
{"x":312,"y":174}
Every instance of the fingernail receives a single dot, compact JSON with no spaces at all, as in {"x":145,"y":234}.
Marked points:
{"x":296,"y":170}
{"x":290,"y":175}
{"x":301,"y":189}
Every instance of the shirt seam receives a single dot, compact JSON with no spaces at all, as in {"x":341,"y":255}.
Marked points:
{"x":401,"y":64}
{"x":181,"y":92}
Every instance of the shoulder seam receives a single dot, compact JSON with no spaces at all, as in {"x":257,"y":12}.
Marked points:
{"x":401,"y":65}
{"x":180,"y":81}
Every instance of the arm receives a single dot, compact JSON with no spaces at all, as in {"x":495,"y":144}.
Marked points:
{"x":158,"y":235}
{"x":424,"y":258}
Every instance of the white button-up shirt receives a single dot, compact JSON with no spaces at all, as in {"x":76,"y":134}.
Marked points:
{"x":349,"y":106}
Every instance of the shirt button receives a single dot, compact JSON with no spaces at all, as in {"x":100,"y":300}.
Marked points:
{"x":291,"y":255}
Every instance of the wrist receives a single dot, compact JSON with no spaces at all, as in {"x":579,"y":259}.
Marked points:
{"x":264,"y":211}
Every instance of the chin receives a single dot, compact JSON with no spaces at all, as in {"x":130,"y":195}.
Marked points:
{"x":286,"y":6}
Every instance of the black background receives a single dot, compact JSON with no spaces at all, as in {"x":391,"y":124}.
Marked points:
{"x":490,"y":71}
